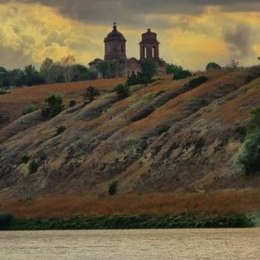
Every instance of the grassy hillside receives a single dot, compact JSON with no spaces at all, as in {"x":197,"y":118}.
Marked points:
{"x":169,"y":137}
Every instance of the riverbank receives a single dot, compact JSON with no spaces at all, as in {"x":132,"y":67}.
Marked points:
{"x":9,"y":222}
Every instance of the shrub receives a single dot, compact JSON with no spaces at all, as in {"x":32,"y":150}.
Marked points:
{"x":4,"y":92}
{"x":182,"y":74}
{"x":29,"y":109}
{"x":212,"y":66}
{"x":25,"y":158}
{"x":90,"y":94}
{"x":254,"y":123}
{"x":72,"y":103}
{"x":33,"y":167}
{"x":248,"y":159}
{"x":52,"y":106}
{"x":197,"y":81}
{"x":5,"y":221}
{"x":3,"y":118}
{"x":113,"y":188}
{"x":60,"y":129}
{"x":122,"y":90}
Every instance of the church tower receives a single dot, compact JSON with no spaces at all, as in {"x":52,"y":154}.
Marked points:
{"x":115,"y":46}
{"x":149,"y":46}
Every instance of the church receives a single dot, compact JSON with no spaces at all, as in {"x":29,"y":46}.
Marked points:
{"x":115,"y":50}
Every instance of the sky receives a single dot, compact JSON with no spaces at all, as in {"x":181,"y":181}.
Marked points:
{"x":192,"y":33}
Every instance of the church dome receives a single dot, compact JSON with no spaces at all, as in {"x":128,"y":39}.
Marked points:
{"x":115,"y":35}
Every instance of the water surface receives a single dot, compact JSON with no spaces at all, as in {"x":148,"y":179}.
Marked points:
{"x":201,"y":244}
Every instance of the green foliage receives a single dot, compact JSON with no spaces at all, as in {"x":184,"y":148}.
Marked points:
{"x":212,"y":66}
{"x":72,"y":103}
{"x":109,"y":69}
{"x":254,"y":123}
{"x":52,"y":106}
{"x":32,"y":76}
{"x":80,"y":73}
{"x":90,"y":94}
{"x":33,"y":167}
{"x":122,"y":90}
{"x":248,"y":158}
{"x":197,"y":82}
{"x":60,"y":129}
{"x":4,"y":92}
{"x":113,"y":188}
{"x":130,"y":222}
{"x":148,"y":67}
{"x":29,"y":109}
{"x":5,"y":221}
{"x":25,"y":158}
{"x":177,"y":71}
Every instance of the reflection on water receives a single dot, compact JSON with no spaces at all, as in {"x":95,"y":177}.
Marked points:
{"x":178,"y":244}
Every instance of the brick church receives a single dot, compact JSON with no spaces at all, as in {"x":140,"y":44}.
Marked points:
{"x":115,"y":50}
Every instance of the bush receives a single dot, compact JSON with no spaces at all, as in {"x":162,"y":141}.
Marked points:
{"x":254,"y":123}
{"x":212,"y":66}
{"x":177,"y":71}
{"x":122,"y":90}
{"x":33,"y":167}
{"x":25,"y":158}
{"x":60,"y":129}
{"x":113,"y":188}
{"x":90,"y":94}
{"x":4,"y":92}
{"x":29,"y":109}
{"x":5,"y":221}
{"x":197,"y":82}
{"x":248,"y":159}
{"x":72,"y":103}
{"x":52,"y":106}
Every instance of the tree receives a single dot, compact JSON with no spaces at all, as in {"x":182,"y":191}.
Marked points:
{"x":212,"y":66}
{"x":67,"y":63}
{"x":32,"y":76}
{"x":80,"y":72}
{"x":16,"y":77}
{"x":148,"y":67}
{"x":113,"y":188}
{"x":177,"y":71}
{"x":45,"y":69}
{"x":109,"y":69}
{"x":4,"y":79}
{"x":91,"y":93}
{"x":248,"y":158}
{"x":52,"y":106}
{"x":122,"y":90}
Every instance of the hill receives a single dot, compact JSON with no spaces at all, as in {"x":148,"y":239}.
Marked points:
{"x":168,"y":137}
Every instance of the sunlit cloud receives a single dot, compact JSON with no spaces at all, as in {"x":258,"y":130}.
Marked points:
{"x":33,"y":30}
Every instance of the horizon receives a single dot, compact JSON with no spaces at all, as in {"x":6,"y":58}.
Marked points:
{"x":191,"y":33}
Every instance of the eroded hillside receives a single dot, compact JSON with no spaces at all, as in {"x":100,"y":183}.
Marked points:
{"x":168,"y":136}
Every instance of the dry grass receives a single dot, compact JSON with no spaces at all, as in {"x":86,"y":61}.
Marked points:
{"x":222,"y":202}
{"x":18,"y":99}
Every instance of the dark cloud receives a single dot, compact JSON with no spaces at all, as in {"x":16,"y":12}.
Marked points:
{"x":132,"y":12}
{"x":11,"y":58}
{"x":239,"y":40}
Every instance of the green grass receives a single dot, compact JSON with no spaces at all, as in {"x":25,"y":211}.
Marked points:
{"x":127,"y":222}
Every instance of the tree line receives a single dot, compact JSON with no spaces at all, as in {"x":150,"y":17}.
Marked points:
{"x":65,"y":70}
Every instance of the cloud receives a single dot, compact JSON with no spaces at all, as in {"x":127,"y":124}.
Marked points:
{"x":133,"y":12}
{"x":239,"y":40}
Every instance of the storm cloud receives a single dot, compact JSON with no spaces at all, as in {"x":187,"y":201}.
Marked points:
{"x":134,"y":12}
{"x":240,"y":40}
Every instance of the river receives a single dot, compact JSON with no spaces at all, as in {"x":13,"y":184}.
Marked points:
{"x":201,"y":244}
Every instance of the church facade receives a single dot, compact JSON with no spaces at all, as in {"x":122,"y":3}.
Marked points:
{"x":115,"y":50}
